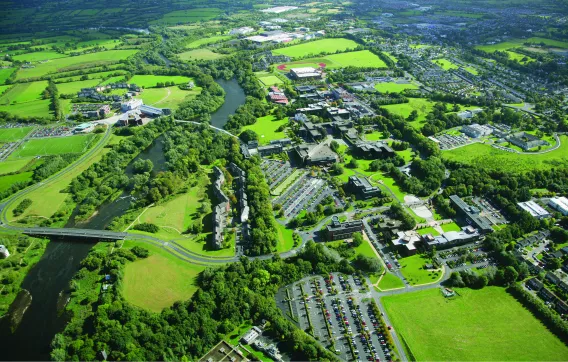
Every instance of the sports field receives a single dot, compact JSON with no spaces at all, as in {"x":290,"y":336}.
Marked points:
{"x":200,"y":54}
{"x":150,"y":81}
{"x":52,"y":146}
{"x":394,"y":87}
{"x":317,"y":47}
{"x":445,"y":64}
{"x":39,"y":108}
{"x":13,"y":134}
{"x":488,"y":157}
{"x":412,"y":269}
{"x":270,"y":80}
{"x":172,"y":280}
{"x":169,"y":97}
{"x":363,"y":58}
{"x":204,"y":41}
{"x":75,"y":62}
{"x":266,"y":128}
{"x":477,"y":325}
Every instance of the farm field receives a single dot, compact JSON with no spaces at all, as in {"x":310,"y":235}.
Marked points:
{"x":390,"y":281}
{"x":477,"y":325}
{"x":188,"y":16}
{"x":169,"y":97}
{"x":176,"y":280}
{"x":317,"y":47}
{"x":266,"y":128}
{"x":13,"y":134}
{"x":52,"y":146}
{"x":150,"y":81}
{"x":5,"y":74}
{"x":200,"y":54}
{"x":445,"y":64}
{"x":14,"y":165}
{"x":488,"y":157}
{"x":411,"y":268}
{"x":23,"y":92}
{"x":204,"y":41}
{"x":39,"y":108}
{"x":38,"y":56}
{"x":80,"y":61}
{"x":392,"y":87}
{"x":363,"y":58}
{"x":8,"y":180}
{"x":515,"y":43}
{"x":74,"y":87}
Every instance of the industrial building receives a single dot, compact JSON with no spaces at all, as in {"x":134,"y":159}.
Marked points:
{"x":559,"y":204}
{"x":471,"y":214}
{"x":342,"y":230}
{"x":534,"y":209}
{"x":362,"y":188}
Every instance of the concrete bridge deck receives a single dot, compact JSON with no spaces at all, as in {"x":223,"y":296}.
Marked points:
{"x":77,"y":233}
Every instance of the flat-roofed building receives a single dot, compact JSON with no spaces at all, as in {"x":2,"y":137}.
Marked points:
{"x":559,"y":204}
{"x":251,"y":335}
{"x":534,"y":209}
{"x":305,"y":73}
{"x":362,"y":188}
{"x":405,"y":241}
{"x":319,"y":154}
{"x":342,"y":230}
{"x":471,"y":215}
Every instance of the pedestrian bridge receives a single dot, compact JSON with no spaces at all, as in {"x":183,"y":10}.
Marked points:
{"x":76,"y":233}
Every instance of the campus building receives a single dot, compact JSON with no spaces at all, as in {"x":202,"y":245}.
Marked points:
{"x":362,"y":188}
{"x":526,"y":141}
{"x":221,"y":210}
{"x":450,"y":239}
{"x":559,"y":204}
{"x":305,"y":73}
{"x":475,"y":130}
{"x":534,"y":209}
{"x":373,"y":150}
{"x":342,"y":230}
{"x":471,"y":215}
{"x":405,"y":242}
{"x":319,"y":154}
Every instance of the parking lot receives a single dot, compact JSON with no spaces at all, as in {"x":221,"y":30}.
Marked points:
{"x":276,"y":171}
{"x":337,"y":312}
{"x":448,"y":141}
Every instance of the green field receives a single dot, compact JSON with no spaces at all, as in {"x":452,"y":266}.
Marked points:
{"x":5,"y":74}
{"x":13,"y":165}
{"x":317,"y":47}
{"x":477,"y":325}
{"x":13,"y":134}
{"x":204,"y":41}
{"x":74,"y":87}
{"x":374,"y":136}
{"x":450,"y":227}
{"x":23,"y":92}
{"x":266,"y":128}
{"x":515,"y":43}
{"x":286,"y":183}
{"x":200,"y":54}
{"x":52,"y":146}
{"x":38,"y":108}
{"x":411,"y":268}
{"x":9,"y":180}
{"x":188,"y":16}
{"x":488,"y":157}
{"x":428,"y":230}
{"x":38,"y":56}
{"x":285,"y":240}
{"x":392,"y":87}
{"x":75,"y":62}
{"x":150,"y":81}
{"x":445,"y":64}
{"x":390,"y":281}
{"x":160,"y":280}
{"x":361,"y":59}
{"x":423,"y":106}
{"x":169,"y":97}
{"x":270,"y":80}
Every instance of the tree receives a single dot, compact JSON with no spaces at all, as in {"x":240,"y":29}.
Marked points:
{"x":248,"y":135}
{"x":337,"y":169}
{"x":510,"y":275}
{"x":334,"y":145}
{"x":357,"y":239}
{"x":366,"y":263}
{"x":353,"y":163}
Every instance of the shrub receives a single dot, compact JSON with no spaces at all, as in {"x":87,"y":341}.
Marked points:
{"x":147,"y":227}
{"x":22,"y":206}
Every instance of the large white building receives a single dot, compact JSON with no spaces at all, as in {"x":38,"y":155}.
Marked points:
{"x":534,"y":209}
{"x":4,"y":253}
{"x":305,"y":73}
{"x":559,"y":204}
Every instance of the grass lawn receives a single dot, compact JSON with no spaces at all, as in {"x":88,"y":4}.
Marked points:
{"x":266,"y":128}
{"x":150,"y":81}
{"x":53,"y":146}
{"x":450,"y":227}
{"x":384,"y":182}
{"x":169,"y":97}
{"x":9,"y":180}
{"x":75,"y":62}
{"x":421,"y":105}
{"x":37,"y":56}
{"x":5,"y":74}
{"x":14,"y":165}
{"x":160,"y":280}
{"x":200,"y":54}
{"x":392,"y":87}
{"x":363,"y":58}
{"x":74,"y":87}
{"x":39,"y":108}
{"x":488,"y":157}
{"x":472,"y":70}
{"x":13,"y":134}
{"x":411,"y":268}
{"x":390,"y":281}
{"x":428,"y":230}
{"x":478,"y":325}
{"x":374,"y":136}
{"x":202,"y":245}
{"x":285,"y":240}
{"x":204,"y":41}
{"x":445,"y":64}
{"x":317,"y":47}
{"x":270,"y":80}
{"x":23,"y":92}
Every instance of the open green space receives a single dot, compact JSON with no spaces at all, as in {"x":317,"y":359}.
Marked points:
{"x":13,"y":165}
{"x":488,"y":157}
{"x":361,"y":59}
{"x":317,"y":47}
{"x":428,"y":230}
{"x":413,"y":271}
{"x":445,"y":64}
{"x":5,"y":74}
{"x":200,"y":54}
{"x":53,"y":146}
{"x":477,"y":325}
{"x":74,"y":87}
{"x":450,"y":227}
{"x":285,"y":240}
{"x":392,"y":87}
{"x":266,"y":128}
{"x":169,"y":97}
{"x":188,"y":16}
{"x":374,"y":136}
{"x":159,"y":280}
{"x":150,"y":81}
{"x":39,"y":108}
{"x":13,"y":134}
{"x":209,"y":40}
{"x":23,"y":92}
{"x":270,"y":80}
{"x":38,"y":56}
{"x":74,"y":62}
{"x":421,"y":105}
{"x":390,"y":281}
{"x":8,"y":180}
{"x":515,"y":43}
{"x":387,"y":183}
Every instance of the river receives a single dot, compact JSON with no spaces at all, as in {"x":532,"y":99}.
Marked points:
{"x":48,"y":281}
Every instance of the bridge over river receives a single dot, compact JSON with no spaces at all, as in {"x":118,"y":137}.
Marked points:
{"x":76,"y":233}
